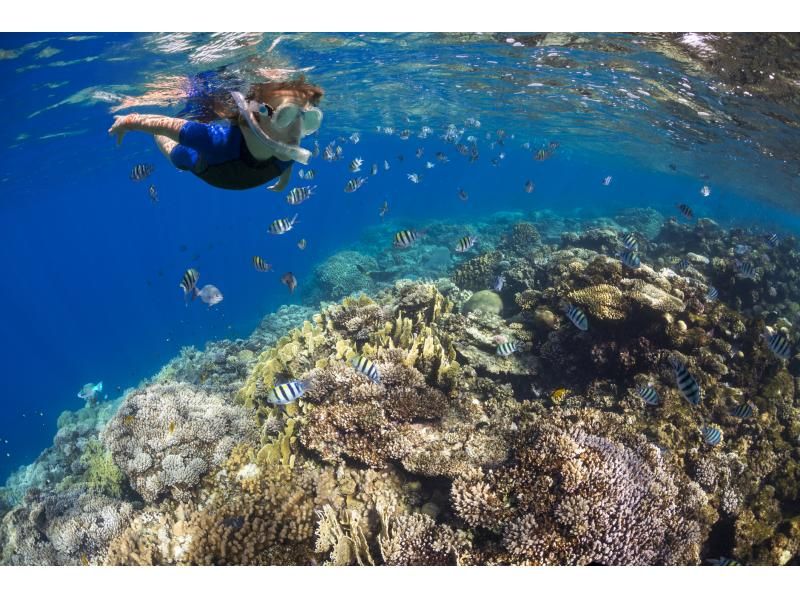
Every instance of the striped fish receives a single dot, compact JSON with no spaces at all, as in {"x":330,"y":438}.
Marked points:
{"x":329,"y":154}
{"x":724,"y":562}
{"x":405,"y":134}
{"x":413,"y":177}
{"x":462,"y":149}
{"x":282,"y":225}
{"x":607,"y":181}
{"x":354,"y":184}
{"x":299,"y":194}
{"x":742,"y":411}
{"x":307,"y":175}
{"x":630,"y":241}
{"x":630,"y":258}
{"x":648,"y":394}
{"x":260,"y":264}
{"x":772,"y":240}
{"x":712,"y":294}
{"x":712,"y":435}
{"x":405,"y":238}
{"x":189,"y":281}
{"x":506,"y":349}
{"x":779,"y":344}
{"x":687,"y":385}
{"x":141,"y":172}
{"x":355,"y":165}
{"x":745,"y":270}
{"x":683,"y":263}
{"x":465,"y":244}
{"x":540,"y":155}
{"x":316,"y":148}
{"x":686,"y":210}
{"x":366,"y":367}
{"x":283,"y":394}
{"x":576,"y":316}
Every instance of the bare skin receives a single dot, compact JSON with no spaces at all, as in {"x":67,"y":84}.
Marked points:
{"x":166,"y":131}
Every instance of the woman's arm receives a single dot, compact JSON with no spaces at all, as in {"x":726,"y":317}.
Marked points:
{"x":147,"y":123}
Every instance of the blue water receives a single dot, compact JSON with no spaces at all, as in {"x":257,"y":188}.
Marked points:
{"x":90,"y":267}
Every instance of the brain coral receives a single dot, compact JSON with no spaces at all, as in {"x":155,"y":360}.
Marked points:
{"x":571,"y":496}
{"x":166,"y":436}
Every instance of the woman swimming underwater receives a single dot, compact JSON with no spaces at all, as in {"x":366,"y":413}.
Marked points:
{"x":257,"y":141}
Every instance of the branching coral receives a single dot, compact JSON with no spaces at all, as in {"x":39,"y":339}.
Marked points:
{"x":602,"y":301}
{"x":165,"y":437}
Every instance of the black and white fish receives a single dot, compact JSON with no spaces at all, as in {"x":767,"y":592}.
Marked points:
{"x":366,"y":367}
{"x":541,"y":155}
{"x":687,"y":385}
{"x":260,"y":264}
{"x":529,"y":186}
{"x":413,"y":177}
{"x":153,"y":193}
{"x":355,"y":138}
{"x":506,"y":349}
{"x":630,"y":241}
{"x":355,"y":165}
{"x":712,"y":294}
{"x":779,"y":344}
{"x":649,"y":394}
{"x":339,"y":152}
{"x":712,"y":435}
{"x":385,"y":165}
{"x":283,"y":394}
{"x":745,"y":270}
{"x":683,"y":263}
{"x":189,"y":281}
{"x":282,"y":225}
{"x":724,"y":562}
{"x":705,"y":191}
{"x":576,"y":316}
{"x":141,"y":172}
{"x":374,"y":170}
{"x":772,"y":239}
{"x":630,"y":258}
{"x":405,"y":134}
{"x":329,"y":155}
{"x":498,"y":283}
{"x":354,"y":184}
{"x":299,"y":194}
{"x":429,"y":165}
{"x":465,"y":244}
{"x":686,"y":210}
{"x":607,"y":181}
{"x":388,"y":130}
{"x":742,"y":411}
{"x":307,"y":175}
{"x":406,"y":238}
{"x":472,"y":122}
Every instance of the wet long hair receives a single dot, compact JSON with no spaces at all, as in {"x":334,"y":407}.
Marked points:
{"x":218,"y":104}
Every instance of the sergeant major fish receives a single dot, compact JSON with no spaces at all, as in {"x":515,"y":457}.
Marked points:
{"x":406,"y":238}
{"x":465,"y":244}
{"x":283,"y":394}
{"x":607,"y":181}
{"x":141,"y":172}
{"x":354,"y":184}
{"x":649,"y":394}
{"x":299,"y":194}
{"x":687,"y":385}
{"x":779,"y":344}
{"x":189,"y":281}
{"x":260,"y":264}
{"x":366,"y":367}
{"x":506,"y":349}
{"x":355,"y":165}
{"x":282,"y":225}
{"x":712,"y":435}
{"x":630,"y":258}
{"x":576,"y":316}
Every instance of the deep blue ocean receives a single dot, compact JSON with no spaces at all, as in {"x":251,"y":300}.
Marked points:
{"x":91,"y":266}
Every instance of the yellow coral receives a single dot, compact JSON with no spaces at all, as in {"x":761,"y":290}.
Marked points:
{"x":602,"y":301}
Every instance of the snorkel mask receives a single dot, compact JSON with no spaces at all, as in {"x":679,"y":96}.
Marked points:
{"x":280,"y":118}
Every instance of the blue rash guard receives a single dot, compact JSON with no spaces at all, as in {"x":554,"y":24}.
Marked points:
{"x":218,"y":154}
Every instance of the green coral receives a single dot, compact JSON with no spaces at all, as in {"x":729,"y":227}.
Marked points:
{"x":101,"y":474}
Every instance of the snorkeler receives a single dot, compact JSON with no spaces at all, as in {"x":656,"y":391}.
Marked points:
{"x":259,"y":141}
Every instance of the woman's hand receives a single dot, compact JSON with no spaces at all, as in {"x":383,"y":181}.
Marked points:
{"x":122,"y":124}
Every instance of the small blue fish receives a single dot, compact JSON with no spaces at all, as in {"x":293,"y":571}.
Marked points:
{"x":712,"y":294}
{"x":630,"y":258}
{"x":576,"y":316}
{"x":506,"y":349}
{"x":724,"y":562}
{"x":687,"y":384}
{"x":712,"y":435}
{"x":498,"y":283}
{"x":283,"y":394}
{"x":648,"y":394}
{"x":742,"y":411}
{"x":779,"y":344}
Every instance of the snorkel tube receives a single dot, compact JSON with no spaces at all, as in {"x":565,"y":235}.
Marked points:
{"x":282,"y":150}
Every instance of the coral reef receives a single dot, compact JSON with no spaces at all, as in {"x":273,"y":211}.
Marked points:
{"x":343,"y":274}
{"x":165,"y":437}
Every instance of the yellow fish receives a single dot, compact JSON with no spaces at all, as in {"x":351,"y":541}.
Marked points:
{"x":171,"y":427}
{"x":84,"y":560}
{"x":559,"y":394}
{"x":128,"y":420}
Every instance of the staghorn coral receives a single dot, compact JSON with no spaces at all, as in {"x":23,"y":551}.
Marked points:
{"x":602,"y":301}
{"x":69,"y":527}
{"x":165,"y":437}
{"x":418,"y":540}
{"x":570,"y":496}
